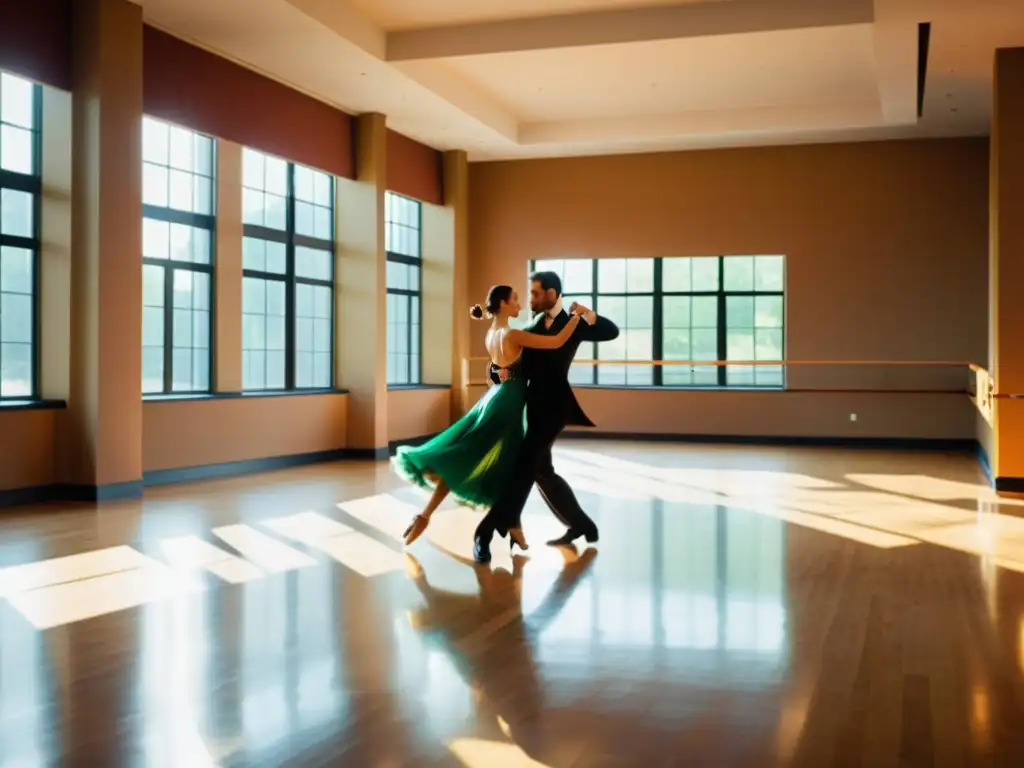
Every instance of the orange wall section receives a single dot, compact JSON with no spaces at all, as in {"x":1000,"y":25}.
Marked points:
{"x":418,"y":412}
{"x":190,"y":433}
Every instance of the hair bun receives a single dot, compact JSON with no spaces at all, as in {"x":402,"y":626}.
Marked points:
{"x":476,"y":312}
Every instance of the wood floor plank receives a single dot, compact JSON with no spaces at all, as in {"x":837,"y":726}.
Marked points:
{"x":745,"y":606}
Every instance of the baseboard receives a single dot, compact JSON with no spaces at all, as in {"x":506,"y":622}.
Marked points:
{"x":18,"y":497}
{"x":244,"y":467}
{"x":949,"y":445}
{"x":394,"y":445}
{"x":133,"y":490}
{"x":90,"y":493}
{"x":1003,"y":484}
{"x":22,"y":497}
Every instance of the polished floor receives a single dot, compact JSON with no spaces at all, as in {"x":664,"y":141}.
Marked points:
{"x":744,"y":607}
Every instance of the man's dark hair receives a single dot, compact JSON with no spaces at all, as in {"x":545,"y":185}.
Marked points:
{"x":548,"y":281}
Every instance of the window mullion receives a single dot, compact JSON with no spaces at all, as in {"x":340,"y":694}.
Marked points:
{"x":168,"y":329}
{"x":290,"y":285}
{"x":723,"y":346}
{"x":658,"y":341}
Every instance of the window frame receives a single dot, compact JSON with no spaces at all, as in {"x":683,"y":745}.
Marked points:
{"x":291,"y":239}
{"x":415,"y":377}
{"x":658,"y":295}
{"x":203,"y":221}
{"x":33,"y":184}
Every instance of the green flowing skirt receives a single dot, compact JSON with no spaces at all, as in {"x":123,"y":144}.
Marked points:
{"x":475,"y":455}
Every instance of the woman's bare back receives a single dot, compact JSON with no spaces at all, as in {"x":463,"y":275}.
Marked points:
{"x":502,"y":350}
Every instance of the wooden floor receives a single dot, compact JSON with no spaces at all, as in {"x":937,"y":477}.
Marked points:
{"x":744,"y":607}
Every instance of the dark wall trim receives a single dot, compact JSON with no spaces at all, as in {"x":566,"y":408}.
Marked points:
{"x":394,"y":445}
{"x":892,"y":443}
{"x":1000,"y":484}
{"x":414,"y":169}
{"x":192,"y":87}
{"x":236,"y":468}
{"x":191,"y":396}
{"x":133,"y":490}
{"x":32,"y":405}
{"x":71,"y":492}
{"x":35,"y":41}
{"x":406,"y":387}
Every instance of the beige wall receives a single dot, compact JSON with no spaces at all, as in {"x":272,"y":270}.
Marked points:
{"x":26,"y":448}
{"x":190,"y":432}
{"x":416,"y":413}
{"x":886,"y":259}
{"x":196,"y":432}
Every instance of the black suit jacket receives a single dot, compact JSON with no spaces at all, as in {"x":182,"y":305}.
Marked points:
{"x":549,"y":395}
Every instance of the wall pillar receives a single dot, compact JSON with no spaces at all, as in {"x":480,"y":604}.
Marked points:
{"x":456,"y":200}
{"x":227,"y":347}
{"x":1006,"y":269}
{"x":101,"y":439}
{"x":361,"y":292}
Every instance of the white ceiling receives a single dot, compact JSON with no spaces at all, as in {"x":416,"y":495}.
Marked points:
{"x":541,"y":78}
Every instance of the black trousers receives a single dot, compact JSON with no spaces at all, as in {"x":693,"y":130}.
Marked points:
{"x":534,"y":465}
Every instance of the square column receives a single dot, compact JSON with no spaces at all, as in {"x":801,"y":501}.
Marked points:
{"x":1006,"y":269}
{"x":361,"y":291}
{"x":100,"y":439}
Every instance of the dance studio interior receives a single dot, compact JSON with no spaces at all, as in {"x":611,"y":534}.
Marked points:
{"x":239,"y":242}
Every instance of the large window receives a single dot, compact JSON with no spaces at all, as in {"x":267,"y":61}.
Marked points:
{"x":288,"y":275}
{"x":402,"y":238}
{"x":706,"y":308}
{"x":19,"y":234}
{"x":177,"y":258}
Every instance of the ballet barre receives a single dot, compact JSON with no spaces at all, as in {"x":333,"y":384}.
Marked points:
{"x":982,"y":394}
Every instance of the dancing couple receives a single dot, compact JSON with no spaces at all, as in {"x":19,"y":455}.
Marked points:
{"x":490,"y":458}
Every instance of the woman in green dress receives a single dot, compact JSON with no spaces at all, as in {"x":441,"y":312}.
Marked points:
{"x":472,"y":459}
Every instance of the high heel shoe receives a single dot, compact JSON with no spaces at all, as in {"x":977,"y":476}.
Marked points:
{"x":516,"y":538}
{"x":416,"y":528}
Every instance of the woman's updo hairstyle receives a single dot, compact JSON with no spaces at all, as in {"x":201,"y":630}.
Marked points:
{"x":495,"y":297}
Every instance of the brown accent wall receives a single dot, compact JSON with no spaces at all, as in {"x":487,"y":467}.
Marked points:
{"x":417,"y":412}
{"x":196,"y":432}
{"x":26,"y":449}
{"x":886,"y":259}
{"x":192,"y":87}
{"x":35,"y":40}
{"x":414,"y":169}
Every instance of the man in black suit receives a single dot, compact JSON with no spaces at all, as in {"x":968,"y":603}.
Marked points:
{"x":550,"y":407}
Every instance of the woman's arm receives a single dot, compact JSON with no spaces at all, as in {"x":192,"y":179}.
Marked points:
{"x":537,"y":341}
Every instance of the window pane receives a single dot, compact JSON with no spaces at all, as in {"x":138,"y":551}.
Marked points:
{"x":314,"y":264}
{"x":675,"y":275}
{"x":578,"y":276}
{"x":15,"y":270}
{"x":768,"y":311}
{"x":738,"y":273}
{"x":704,"y":274}
{"x":769,"y":273}
{"x":17,"y":101}
{"x":280,"y":195}
{"x":640,"y":275}
{"x":16,"y":213}
{"x":153,"y":369}
{"x":16,"y":317}
{"x":16,"y":149}
{"x":739,"y":312}
{"x":177,"y":176}
{"x":611,"y":276}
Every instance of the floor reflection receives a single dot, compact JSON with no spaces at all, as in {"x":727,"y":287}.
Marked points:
{"x":746,"y":608}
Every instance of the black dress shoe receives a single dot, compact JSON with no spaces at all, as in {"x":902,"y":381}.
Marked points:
{"x":481,"y":550}
{"x":567,"y":538}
